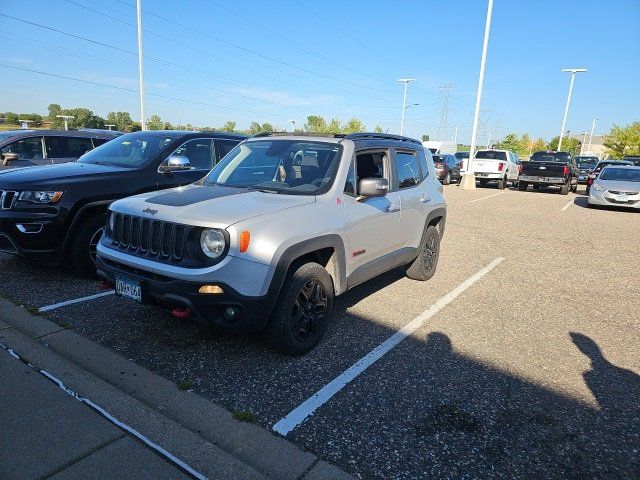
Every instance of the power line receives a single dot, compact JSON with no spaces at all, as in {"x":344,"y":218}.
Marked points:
{"x":289,"y":41}
{"x":226,"y":42}
{"x":130,"y":52}
{"x":131,"y":90}
{"x":157,"y":95}
{"x":82,"y":55}
{"x":350,"y":37}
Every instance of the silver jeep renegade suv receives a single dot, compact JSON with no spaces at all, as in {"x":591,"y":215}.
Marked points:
{"x":278,"y":228}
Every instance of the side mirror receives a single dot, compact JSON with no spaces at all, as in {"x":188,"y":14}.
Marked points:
{"x":373,"y":187}
{"x":176,"y":163}
{"x":9,"y":157}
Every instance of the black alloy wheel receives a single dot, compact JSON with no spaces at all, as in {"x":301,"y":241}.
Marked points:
{"x":308,"y":310}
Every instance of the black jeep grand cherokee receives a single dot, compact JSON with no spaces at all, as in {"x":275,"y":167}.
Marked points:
{"x":55,"y":212}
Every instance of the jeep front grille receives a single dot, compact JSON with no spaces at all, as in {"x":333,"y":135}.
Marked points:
{"x":149,"y":238}
{"x":7,"y":199}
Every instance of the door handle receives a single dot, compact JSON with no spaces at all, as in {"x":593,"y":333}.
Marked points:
{"x":425,"y":199}
{"x":392,"y":208}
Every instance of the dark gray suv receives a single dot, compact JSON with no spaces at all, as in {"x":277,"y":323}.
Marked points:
{"x":28,"y":148}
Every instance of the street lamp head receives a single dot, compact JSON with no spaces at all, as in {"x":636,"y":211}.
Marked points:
{"x":574,"y":70}
{"x":406,"y":80}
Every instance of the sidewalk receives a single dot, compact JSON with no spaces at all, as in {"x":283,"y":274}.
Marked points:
{"x":130,"y":422}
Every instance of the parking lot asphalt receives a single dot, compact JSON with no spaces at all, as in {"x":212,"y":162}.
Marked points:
{"x":532,"y":371}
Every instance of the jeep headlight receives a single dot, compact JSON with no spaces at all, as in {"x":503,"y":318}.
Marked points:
{"x":212,"y":242}
{"x":35,"y":196}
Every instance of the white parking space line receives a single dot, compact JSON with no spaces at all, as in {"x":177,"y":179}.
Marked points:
{"x":322,"y":396}
{"x":77,"y":300}
{"x":569,"y":203}
{"x":488,"y":196}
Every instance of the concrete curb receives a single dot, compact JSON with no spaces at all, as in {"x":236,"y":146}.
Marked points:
{"x":157,"y":408}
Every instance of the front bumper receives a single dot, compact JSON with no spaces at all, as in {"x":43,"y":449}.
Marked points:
{"x":609,"y":199}
{"x":542,"y":180}
{"x":172,"y":293}
{"x":30,"y":234}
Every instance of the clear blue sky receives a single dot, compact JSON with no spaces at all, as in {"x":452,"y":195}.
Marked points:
{"x":274,"y":61}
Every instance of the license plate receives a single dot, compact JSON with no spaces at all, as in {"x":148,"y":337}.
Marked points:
{"x":622,"y":198}
{"x":126,"y":287}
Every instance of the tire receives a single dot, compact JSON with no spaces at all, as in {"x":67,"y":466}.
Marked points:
{"x":84,"y":243}
{"x":564,"y":190}
{"x":502,"y":183}
{"x":302,"y":312}
{"x":587,"y":189}
{"x":536,"y":186}
{"x":447,"y":179}
{"x":483,"y":183}
{"x":425,"y":264}
{"x":522,"y":186}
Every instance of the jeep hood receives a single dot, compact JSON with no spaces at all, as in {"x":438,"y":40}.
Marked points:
{"x":208,"y":206}
{"x":54,"y":176}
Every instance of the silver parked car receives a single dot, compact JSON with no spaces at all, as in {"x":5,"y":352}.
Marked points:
{"x":277,"y":229}
{"x":617,"y":186}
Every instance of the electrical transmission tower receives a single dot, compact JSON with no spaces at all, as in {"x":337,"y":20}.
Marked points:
{"x":444,"y":111}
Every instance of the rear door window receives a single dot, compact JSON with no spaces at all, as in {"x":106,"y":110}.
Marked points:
{"x":199,"y":153}
{"x":223,"y":147}
{"x":79,"y":146}
{"x":406,"y":169}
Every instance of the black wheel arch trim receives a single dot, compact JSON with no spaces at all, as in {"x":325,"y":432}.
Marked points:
{"x":336,"y":265}
{"x":440,"y":212}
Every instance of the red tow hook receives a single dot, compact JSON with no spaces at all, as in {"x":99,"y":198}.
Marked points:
{"x":181,"y":312}
{"x":104,"y":285}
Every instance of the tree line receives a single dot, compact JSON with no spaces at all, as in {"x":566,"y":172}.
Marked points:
{"x":621,"y":140}
{"x":122,"y":121}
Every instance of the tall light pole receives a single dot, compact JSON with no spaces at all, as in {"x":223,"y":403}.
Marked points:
{"x":143,"y":122}
{"x":455,"y":135}
{"x":66,"y":119}
{"x":573,"y":72}
{"x":293,"y":125}
{"x":593,"y":125}
{"x":468,"y":181}
{"x":109,"y":125}
{"x":404,"y":100}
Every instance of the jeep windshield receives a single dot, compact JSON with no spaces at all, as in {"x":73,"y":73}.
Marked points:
{"x":291,"y":167}
{"x":130,"y":151}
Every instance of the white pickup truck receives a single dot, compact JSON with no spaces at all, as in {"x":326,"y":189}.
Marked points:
{"x":496,"y":165}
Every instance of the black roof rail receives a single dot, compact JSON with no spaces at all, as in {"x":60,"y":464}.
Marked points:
{"x":380,"y":136}
{"x":297,"y":134}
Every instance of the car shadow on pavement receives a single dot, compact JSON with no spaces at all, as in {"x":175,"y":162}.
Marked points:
{"x":428,"y":411}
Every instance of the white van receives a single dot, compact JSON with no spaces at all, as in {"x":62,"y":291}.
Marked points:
{"x":437,"y":147}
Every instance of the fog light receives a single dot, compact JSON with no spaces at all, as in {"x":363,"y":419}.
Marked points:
{"x":212,"y":289}
{"x":232,"y":314}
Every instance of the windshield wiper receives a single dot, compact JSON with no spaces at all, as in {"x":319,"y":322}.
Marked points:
{"x":264,"y":189}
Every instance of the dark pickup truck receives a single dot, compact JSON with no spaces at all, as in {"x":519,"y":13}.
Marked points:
{"x":549,"y":169}
{"x":57,"y":212}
